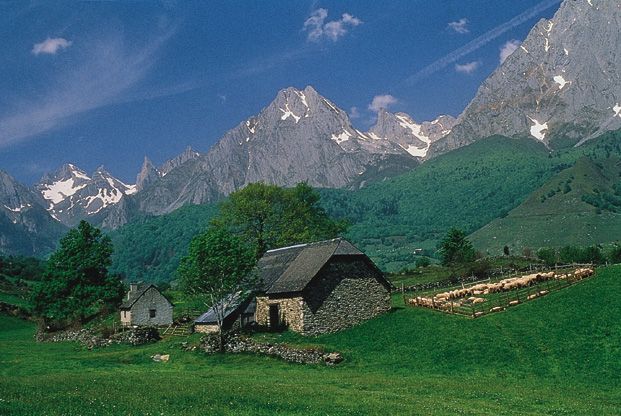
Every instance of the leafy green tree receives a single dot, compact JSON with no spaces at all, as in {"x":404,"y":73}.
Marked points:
{"x":218,"y":265}
{"x":26,"y":268}
{"x":455,"y":248}
{"x":592,"y":254}
{"x":548,"y":256}
{"x":76,"y":283}
{"x":269,"y":216}
{"x":570,"y":254}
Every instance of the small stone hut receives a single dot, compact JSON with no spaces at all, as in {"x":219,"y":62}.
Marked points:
{"x":145,"y":305}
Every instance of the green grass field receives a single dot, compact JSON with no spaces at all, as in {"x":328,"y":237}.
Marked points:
{"x":558,"y":355}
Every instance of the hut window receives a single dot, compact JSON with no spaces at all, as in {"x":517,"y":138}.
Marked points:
{"x":151,"y":313}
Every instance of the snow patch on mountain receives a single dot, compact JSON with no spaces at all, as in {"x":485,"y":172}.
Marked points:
{"x":345,"y":135}
{"x":19,"y":208}
{"x":332,"y":106}
{"x":560,"y":81}
{"x":302,"y":97}
{"x":538,"y":130}
{"x":60,"y":190}
{"x":288,"y":113}
{"x":106,"y":197}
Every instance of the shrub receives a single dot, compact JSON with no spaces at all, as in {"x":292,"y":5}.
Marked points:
{"x":614,"y":256}
{"x":422,"y":262}
{"x":548,"y":256}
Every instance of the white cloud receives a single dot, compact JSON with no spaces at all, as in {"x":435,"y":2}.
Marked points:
{"x":318,"y":29}
{"x":105,"y":74}
{"x":460,"y":26}
{"x":354,"y":112}
{"x":508,"y":48}
{"x":468,"y":68}
{"x":382,"y":101}
{"x":481,"y":41}
{"x":50,"y":46}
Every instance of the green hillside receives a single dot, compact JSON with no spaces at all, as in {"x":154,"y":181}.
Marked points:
{"x":558,"y":355}
{"x":579,"y":206}
{"x":467,"y":188}
{"x":150,"y":248}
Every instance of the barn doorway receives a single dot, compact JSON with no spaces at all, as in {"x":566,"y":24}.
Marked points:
{"x":274,"y":316}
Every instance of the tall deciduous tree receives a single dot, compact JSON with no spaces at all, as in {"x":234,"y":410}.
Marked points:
{"x":456,"y":249}
{"x":217,"y":267}
{"x":268,"y":216}
{"x":76,"y":282}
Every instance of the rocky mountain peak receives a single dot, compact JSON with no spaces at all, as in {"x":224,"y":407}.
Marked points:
{"x":188,"y":154}
{"x":26,"y":226}
{"x":14,"y":197}
{"x":148,"y":174}
{"x":71,"y":195}
{"x":65,"y":172}
{"x":413,"y":137}
{"x":562,"y":82}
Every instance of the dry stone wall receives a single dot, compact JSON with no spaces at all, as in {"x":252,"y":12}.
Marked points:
{"x":290,"y":310}
{"x":346,"y":293}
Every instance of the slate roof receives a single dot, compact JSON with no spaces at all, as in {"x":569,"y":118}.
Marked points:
{"x":290,"y":269}
{"x":137,"y":294}
{"x":231,"y":304}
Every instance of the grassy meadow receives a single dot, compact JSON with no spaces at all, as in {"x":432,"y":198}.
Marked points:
{"x":558,"y":355}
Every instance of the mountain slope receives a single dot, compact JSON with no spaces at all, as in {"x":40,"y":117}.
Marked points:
{"x":467,"y":188}
{"x":561,"y":84}
{"x":150,"y":248}
{"x":579,"y":206}
{"x":26,"y":228}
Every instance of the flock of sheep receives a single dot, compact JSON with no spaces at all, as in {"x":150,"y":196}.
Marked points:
{"x":470,"y":296}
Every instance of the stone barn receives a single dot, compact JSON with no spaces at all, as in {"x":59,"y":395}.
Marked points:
{"x":145,"y":305}
{"x":320,"y":287}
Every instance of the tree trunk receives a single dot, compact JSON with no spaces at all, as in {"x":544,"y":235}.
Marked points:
{"x":221,"y":340}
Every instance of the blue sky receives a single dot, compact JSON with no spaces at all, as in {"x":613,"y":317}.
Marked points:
{"x":108,"y":82}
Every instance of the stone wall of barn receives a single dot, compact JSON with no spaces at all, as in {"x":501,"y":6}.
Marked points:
{"x":346,"y":293}
{"x":151,"y":299}
{"x":290,"y":309}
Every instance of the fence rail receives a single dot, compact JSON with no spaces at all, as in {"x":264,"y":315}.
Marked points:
{"x":498,"y":301}
{"x":466,"y":281}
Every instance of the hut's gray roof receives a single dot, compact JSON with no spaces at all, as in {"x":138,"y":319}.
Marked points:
{"x":134,"y":295}
{"x":230,"y":303}
{"x":290,"y":269}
